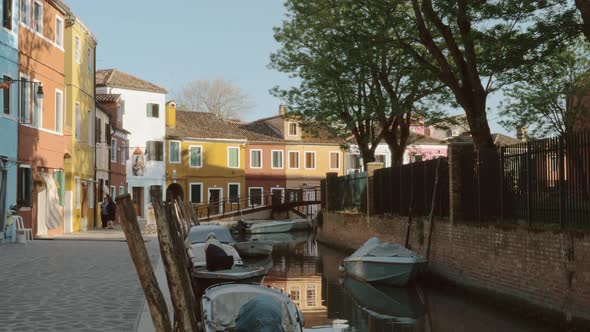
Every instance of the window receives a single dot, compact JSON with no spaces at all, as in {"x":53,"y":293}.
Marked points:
{"x":380,"y":158}
{"x":153,"y":110}
{"x":37,"y":109}
{"x":25,"y":12}
{"x":78,"y":128}
{"x":233,"y":192}
{"x":59,"y":31}
{"x":196,"y":192}
{"x":292,"y":129}
{"x":89,"y":59}
{"x":113,"y":150}
{"x":77,"y":49}
{"x":7,"y":14}
{"x":78,"y":191}
{"x":25,"y":195}
{"x":277,"y":159}
{"x":90,"y":128}
{"x":25,"y":100}
{"x":155,"y":150}
{"x":38,"y":16}
{"x":90,"y":194}
{"x":293,"y":159}
{"x":6,"y":97}
{"x":334,"y":160}
{"x":123,"y":152}
{"x":113,"y":192}
{"x":233,"y":157}
{"x":59,"y":108}
{"x":255,"y":196}
{"x":195,"y":156}
{"x":174,"y":147}
{"x":121,"y":190}
{"x":295,"y":294}
{"x":310,"y":160}
{"x":99,"y":130}
{"x":255,"y":158}
{"x":310,"y":296}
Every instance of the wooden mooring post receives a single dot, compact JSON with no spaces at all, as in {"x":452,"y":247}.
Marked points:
{"x":141,"y":260}
{"x":432,"y":206}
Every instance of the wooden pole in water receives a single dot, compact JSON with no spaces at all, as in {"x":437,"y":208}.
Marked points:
{"x":141,"y":260}
{"x":431,"y":216}
{"x":410,"y":209}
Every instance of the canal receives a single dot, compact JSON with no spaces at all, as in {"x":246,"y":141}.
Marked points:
{"x":332,"y":302}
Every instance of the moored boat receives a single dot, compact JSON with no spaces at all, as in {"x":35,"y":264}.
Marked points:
{"x":278,"y":226}
{"x":244,"y":307}
{"x":199,"y":234}
{"x":387,"y":263}
{"x":253,"y":248}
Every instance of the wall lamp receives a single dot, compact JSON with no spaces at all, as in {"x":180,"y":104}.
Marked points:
{"x":5,"y":84}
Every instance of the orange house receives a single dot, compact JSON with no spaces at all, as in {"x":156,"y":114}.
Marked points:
{"x":44,"y":137}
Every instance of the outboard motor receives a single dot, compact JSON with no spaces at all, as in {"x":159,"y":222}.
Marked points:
{"x":242,"y":226}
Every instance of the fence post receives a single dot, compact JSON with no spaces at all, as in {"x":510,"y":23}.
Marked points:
{"x":371,"y":167}
{"x":529,"y":184}
{"x":502,"y":184}
{"x":561,"y":181}
{"x":331,"y":178}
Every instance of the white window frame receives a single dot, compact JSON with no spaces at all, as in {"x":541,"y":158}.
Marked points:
{"x":78,"y":192}
{"x":27,"y":119}
{"x":170,"y":152}
{"x":59,"y":128}
{"x":260,"y":151}
{"x":190,"y":192}
{"x":123,"y":146}
{"x":90,"y":127}
{"x":77,"y":48}
{"x":121,"y":190}
{"x":289,"y":129}
{"x":37,"y":101}
{"x":59,"y":32}
{"x":220,"y":197}
{"x":228,"y":159}
{"x":272,"y":152}
{"x":200,"y":159}
{"x":239,"y":189}
{"x":112,"y":191}
{"x":27,"y":16}
{"x":330,"y":159}
{"x":298,"y":159}
{"x":113,"y":150}
{"x":314,"y":160}
{"x":38,"y":27}
{"x":261,"y":196}
{"x":282,"y":193}
{"x":384,"y":158}
{"x":78,"y":120}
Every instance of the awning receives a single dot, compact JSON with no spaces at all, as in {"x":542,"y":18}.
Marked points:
{"x":53,"y":218}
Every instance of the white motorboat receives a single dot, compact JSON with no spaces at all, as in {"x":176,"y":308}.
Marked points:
{"x":278,"y":226}
{"x":254,"y":248}
{"x":244,"y":307}
{"x":387,"y":263}
{"x":199,"y":234}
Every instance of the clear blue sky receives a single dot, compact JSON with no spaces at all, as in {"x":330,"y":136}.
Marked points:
{"x":171,"y":43}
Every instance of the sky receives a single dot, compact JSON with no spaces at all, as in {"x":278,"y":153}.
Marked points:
{"x":171,"y":43}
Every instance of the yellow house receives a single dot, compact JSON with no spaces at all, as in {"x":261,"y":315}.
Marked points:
{"x":80,"y":51}
{"x":205,"y":161}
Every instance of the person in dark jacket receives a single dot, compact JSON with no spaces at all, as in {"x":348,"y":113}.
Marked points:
{"x":112,"y":211}
{"x":104,"y":212}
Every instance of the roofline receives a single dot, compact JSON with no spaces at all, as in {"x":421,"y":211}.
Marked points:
{"x":200,"y":139}
{"x":129,"y":88}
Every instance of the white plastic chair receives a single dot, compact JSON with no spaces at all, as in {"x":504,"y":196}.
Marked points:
{"x":20,"y":228}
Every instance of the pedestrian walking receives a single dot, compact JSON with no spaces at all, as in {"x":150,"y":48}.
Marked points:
{"x":104,"y":212}
{"x":112,"y":212}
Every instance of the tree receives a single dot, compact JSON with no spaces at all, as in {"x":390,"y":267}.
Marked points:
{"x":555,"y":96}
{"x":220,"y":97}
{"x":476,"y":47}
{"x":584,"y":9}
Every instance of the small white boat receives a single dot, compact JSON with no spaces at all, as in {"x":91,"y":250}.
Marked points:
{"x":243,"y":307}
{"x":253,"y":248}
{"x":278,"y":226}
{"x":387,"y":263}
{"x":199,"y":234}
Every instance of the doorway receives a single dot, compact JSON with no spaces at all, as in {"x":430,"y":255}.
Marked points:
{"x":174,"y":191}
{"x":137,"y":196}
{"x":278,"y":196}
{"x":215,"y":195}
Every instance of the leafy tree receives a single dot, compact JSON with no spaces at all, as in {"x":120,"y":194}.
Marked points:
{"x":554,"y":98}
{"x":584,"y":9}
{"x":220,"y":97}
{"x":476,"y":47}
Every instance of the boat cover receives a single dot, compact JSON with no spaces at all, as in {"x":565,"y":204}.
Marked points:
{"x":262,"y":314}
{"x":199,"y":234}
{"x":374,"y":248}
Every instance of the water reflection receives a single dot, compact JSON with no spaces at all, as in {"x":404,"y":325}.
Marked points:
{"x":333,"y":302}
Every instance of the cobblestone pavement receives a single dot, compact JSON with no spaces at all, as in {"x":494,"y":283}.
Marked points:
{"x":70,"y":285}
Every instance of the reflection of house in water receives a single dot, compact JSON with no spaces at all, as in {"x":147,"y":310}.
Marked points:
{"x":299,"y":274}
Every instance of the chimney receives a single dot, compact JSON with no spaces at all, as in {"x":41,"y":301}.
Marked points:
{"x":521,"y":133}
{"x":282,"y":109}
{"x":171,"y":114}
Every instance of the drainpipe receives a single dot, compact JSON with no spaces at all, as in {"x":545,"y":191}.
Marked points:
{"x":96,"y":202}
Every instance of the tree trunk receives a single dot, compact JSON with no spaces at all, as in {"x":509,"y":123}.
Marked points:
{"x":584,"y":8}
{"x":475,"y":110}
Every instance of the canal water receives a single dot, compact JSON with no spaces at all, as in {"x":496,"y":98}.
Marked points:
{"x":331,"y":301}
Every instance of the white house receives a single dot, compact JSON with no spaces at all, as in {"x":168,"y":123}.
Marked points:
{"x":144,"y":118}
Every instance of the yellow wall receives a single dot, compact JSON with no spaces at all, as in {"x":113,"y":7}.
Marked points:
{"x":214,"y":172}
{"x":322,"y":163}
{"x":80,"y":89}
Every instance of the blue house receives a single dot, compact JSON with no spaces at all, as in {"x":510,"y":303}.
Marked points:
{"x":8,"y":106}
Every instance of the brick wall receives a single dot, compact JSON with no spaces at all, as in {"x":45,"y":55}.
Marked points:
{"x":548,"y":269}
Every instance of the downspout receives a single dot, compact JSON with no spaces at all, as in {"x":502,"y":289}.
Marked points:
{"x":96,"y":201}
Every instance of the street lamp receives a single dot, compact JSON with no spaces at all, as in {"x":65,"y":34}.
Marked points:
{"x":5,"y":84}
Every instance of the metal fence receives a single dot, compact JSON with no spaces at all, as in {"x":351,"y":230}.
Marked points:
{"x":538,"y":182}
{"x":397,"y":189}
{"x":349,"y":192}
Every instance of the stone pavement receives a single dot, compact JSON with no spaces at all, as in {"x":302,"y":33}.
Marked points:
{"x":71,"y":285}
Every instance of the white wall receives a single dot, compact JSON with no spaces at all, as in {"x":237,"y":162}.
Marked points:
{"x":143,"y":129}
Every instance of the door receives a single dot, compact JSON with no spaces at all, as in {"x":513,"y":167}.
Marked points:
{"x":137,"y":193}
{"x":215,"y":206}
{"x":278,"y":195}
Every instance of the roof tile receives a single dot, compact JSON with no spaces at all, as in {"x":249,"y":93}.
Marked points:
{"x":116,"y":78}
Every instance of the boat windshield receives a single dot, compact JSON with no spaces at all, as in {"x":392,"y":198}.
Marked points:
{"x":199,"y":234}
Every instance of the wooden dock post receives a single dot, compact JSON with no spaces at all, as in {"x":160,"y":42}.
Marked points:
{"x":141,"y":260}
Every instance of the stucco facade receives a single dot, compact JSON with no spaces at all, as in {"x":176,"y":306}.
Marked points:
{"x":9,"y":113}
{"x":263,"y":176}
